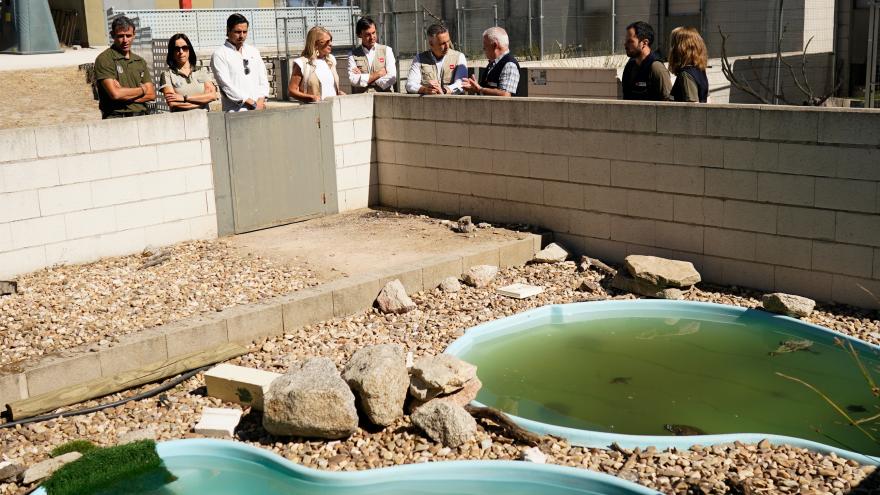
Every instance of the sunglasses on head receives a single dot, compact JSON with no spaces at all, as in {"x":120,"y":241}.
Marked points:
{"x":181,"y":48}
{"x":247,"y":69}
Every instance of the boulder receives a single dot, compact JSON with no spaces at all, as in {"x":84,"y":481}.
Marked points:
{"x":480,"y":275}
{"x":10,"y":470}
{"x":553,"y":253}
{"x":378,"y":376}
{"x":445,"y":422}
{"x":586,"y":285}
{"x":439,"y":375}
{"x":461,"y":397}
{"x":393,"y":299}
{"x":42,"y":470}
{"x":622,"y":281}
{"x":465,"y":225}
{"x":788,"y":304}
{"x":450,"y":284}
{"x":662,"y":272}
{"x":311,"y":400}
{"x":673,"y":294}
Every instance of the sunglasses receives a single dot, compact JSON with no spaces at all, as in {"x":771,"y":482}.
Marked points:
{"x":181,"y":48}
{"x":247,"y":69}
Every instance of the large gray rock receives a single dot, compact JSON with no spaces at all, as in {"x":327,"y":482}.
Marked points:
{"x":45,"y":469}
{"x":480,"y":275}
{"x":662,"y":272}
{"x":10,"y":470}
{"x":439,"y":375}
{"x":378,"y":375}
{"x":393,"y":299}
{"x":623,"y":281}
{"x":461,"y":397}
{"x":450,"y":285}
{"x":788,"y":304}
{"x":445,"y":422}
{"x":311,"y":400}
{"x":553,"y":253}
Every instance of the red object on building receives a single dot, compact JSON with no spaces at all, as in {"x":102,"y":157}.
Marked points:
{"x":186,"y":4}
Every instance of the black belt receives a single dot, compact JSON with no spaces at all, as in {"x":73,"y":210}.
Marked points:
{"x":121,"y":115}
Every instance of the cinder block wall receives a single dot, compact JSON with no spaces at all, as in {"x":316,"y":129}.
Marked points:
{"x":76,"y":193}
{"x":356,"y":169}
{"x":758,"y":196}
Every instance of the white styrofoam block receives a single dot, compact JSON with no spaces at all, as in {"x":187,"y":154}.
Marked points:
{"x":17,"y":144}
{"x":38,"y":231}
{"x":84,"y":167}
{"x":133,"y":161}
{"x":140,"y":214}
{"x":180,"y":154}
{"x":116,"y":191}
{"x":165,"y":234}
{"x":239,"y":384}
{"x":19,"y":206}
{"x":520,"y":291}
{"x":114,"y":134}
{"x":62,"y":140}
{"x":22,"y":176}
{"x":218,"y":422}
{"x":75,"y":251}
{"x":203,"y":227}
{"x":188,"y":205}
{"x":121,"y":243}
{"x":199,"y":178}
{"x":66,"y":198}
{"x":163,"y":128}
{"x":164,"y":183}
{"x":196,"y":124}
{"x":20,"y":261}
{"x":90,"y":222}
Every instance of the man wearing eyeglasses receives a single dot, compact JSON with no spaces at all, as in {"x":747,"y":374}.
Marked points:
{"x":239,"y":70}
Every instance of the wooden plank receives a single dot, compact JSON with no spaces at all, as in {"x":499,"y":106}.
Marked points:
{"x":100,"y":387}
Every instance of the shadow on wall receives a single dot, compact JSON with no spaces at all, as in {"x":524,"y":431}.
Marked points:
{"x":760,"y":73}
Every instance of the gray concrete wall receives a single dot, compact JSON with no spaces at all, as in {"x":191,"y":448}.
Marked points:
{"x":758,"y":196}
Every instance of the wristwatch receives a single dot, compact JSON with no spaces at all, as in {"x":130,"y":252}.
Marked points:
{"x":185,"y":99}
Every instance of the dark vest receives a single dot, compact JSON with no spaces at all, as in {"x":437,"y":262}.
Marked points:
{"x":636,"y":85}
{"x":492,"y":78}
{"x":701,"y":80}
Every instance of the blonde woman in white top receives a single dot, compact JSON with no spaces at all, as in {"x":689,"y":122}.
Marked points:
{"x":314,"y":76}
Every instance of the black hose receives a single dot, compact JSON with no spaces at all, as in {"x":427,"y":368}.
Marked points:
{"x":144,"y":395}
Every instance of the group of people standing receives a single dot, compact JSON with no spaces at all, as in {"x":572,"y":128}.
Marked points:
{"x":238,"y":76}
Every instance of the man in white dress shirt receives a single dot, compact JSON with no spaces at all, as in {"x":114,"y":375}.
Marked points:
{"x":440,"y":70}
{"x":239,"y":70}
{"x":371,"y":66}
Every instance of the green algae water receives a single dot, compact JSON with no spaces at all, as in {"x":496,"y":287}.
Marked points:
{"x":644,"y":375}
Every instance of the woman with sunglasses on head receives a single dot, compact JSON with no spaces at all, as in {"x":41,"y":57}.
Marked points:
{"x":314,"y":76}
{"x":186,"y":87}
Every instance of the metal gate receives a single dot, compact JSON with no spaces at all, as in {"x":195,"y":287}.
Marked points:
{"x":872,"y":65}
{"x":272,"y":167}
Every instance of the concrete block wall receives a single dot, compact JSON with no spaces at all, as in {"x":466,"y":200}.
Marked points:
{"x":759,"y":196}
{"x":76,"y":193}
{"x":573,"y":83}
{"x":356,"y":168}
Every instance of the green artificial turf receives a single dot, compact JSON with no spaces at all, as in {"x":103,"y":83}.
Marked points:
{"x":81,"y":446}
{"x":99,"y":470}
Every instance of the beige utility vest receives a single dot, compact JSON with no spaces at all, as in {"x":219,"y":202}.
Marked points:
{"x":363,"y":65}
{"x":429,"y":68}
{"x":310,"y":83}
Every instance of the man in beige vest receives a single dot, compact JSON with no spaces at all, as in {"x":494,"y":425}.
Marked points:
{"x":440,"y":70}
{"x":371,"y":66}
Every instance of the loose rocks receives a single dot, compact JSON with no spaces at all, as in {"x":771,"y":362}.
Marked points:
{"x":393,"y":299}
{"x":438,"y":375}
{"x":378,"y":375}
{"x":450,"y":285}
{"x":788,"y":304}
{"x":662,"y":272}
{"x":480,"y":275}
{"x":446,"y":423}
{"x":45,"y":469}
{"x":553,"y":253}
{"x":311,"y":401}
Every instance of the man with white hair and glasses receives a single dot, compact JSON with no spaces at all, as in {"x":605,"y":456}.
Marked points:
{"x":501,"y":77}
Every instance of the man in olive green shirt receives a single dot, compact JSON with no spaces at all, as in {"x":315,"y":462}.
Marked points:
{"x":124,"y":83}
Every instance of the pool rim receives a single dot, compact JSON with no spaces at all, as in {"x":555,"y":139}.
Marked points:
{"x":596,"y":439}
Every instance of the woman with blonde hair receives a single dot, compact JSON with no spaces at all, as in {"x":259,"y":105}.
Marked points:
{"x":314,"y":76}
{"x":688,"y":59}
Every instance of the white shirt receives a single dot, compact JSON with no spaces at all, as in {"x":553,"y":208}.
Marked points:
{"x":384,"y":82}
{"x":325,"y":76}
{"x":414,"y":78}
{"x":228,"y":67}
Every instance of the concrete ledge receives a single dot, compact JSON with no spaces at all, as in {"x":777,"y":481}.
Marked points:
{"x":249,"y":323}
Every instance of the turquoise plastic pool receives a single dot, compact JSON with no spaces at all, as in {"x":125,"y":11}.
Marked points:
{"x":480,"y":342}
{"x":219,"y":467}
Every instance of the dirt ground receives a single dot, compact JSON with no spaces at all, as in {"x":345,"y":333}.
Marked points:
{"x":360,"y":241}
{"x":31,"y":98}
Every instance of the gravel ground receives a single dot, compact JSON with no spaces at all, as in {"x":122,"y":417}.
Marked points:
{"x":440,"y":319}
{"x":62,"y":307}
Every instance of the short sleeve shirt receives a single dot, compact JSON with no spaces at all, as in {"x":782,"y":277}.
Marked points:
{"x":191,"y":85}
{"x":130,"y":72}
